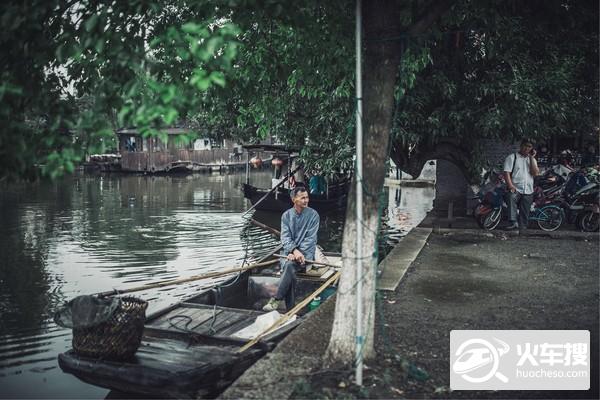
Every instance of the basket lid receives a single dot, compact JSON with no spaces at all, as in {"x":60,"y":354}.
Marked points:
{"x":86,"y":311}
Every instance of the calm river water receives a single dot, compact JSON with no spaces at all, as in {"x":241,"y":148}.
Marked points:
{"x":91,"y":233}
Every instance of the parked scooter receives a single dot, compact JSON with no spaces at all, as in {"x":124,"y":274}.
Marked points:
{"x":488,"y":212}
{"x":588,"y":219}
{"x":580,"y":199}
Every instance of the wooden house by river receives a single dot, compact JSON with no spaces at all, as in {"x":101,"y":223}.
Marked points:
{"x":140,"y":154}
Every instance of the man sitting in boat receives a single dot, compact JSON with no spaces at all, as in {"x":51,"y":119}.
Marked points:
{"x":299,"y":227}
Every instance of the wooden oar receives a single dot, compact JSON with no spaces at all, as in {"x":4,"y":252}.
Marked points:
{"x":290,"y":313}
{"x":310,"y":262}
{"x":215,"y":274}
{"x":272,"y":189}
{"x":265,"y":227}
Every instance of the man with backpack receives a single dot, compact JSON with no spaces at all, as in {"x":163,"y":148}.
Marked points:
{"x":519,"y":170}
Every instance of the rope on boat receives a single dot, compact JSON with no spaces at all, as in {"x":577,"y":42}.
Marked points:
{"x":194,"y":336}
{"x":211,"y":328}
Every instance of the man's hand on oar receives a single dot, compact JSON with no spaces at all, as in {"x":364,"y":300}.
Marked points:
{"x":310,"y":261}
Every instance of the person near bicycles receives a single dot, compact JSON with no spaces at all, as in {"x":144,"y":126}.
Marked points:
{"x":519,"y":170}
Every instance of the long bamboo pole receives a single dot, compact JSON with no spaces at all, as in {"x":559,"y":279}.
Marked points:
{"x":269,"y":192}
{"x":265,"y":227}
{"x":207,"y":275}
{"x":290,"y":313}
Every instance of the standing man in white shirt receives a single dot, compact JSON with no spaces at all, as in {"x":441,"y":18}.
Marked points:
{"x":519,"y":170}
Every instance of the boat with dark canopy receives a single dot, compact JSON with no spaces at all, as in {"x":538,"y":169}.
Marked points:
{"x":277,"y":199}
{"x":193,"y":349}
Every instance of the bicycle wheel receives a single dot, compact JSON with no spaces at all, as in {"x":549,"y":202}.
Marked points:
{"x":588,"y":221}
{"x":550,"y":218}
{"x":479,"y":213}
{"x":491,"y":220}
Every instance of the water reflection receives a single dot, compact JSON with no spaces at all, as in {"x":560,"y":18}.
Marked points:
{"x":402,"y":209}
{"x":87,"y":234}
{"x":405,"y":209}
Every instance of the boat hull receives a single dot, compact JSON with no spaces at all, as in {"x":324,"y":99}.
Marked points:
{"x":166,"y":368}
{"x":191,"y":349}
{"x":281,"y":201}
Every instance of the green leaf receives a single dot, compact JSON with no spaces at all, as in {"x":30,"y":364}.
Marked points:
{"x":88,"y":42}
{"x":203,"y":84}
{"x":154,"y":43}
{"x":200,"y":79}
{"x":168,"y":95}
{"x":123,"y":114}
{"x":191,"y":28}
{"x":213,"y":44}
{"x":99,"y":46}
{"x":218,"y":78}
{"x":69,"y":166}
{"x":171,"y":116}
{"x":91,"y":22}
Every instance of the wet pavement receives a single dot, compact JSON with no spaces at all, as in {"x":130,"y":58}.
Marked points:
{"x":463,"y":278}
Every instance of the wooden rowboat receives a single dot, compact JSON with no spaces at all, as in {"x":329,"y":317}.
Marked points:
{"x":281,"y":201}
{"x":277,"y":199}
{"x":192,"y":349}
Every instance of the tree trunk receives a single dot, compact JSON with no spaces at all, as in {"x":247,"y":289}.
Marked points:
{"x":382,"y":27}
{"x":381,"y":67}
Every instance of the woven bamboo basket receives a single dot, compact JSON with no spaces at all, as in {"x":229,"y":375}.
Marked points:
{"x":118,"y":338}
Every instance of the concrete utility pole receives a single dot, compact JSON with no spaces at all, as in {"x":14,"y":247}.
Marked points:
{"x":359,"y":197}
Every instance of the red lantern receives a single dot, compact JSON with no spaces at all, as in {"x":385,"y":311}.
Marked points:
{"x":277,"y":162}
{"x":256,"y":162}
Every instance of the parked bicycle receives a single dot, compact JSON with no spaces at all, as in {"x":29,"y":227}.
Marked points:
{"x":492,"y":207}
{"x":488,"y":212}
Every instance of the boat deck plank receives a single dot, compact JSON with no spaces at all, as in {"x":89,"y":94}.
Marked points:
{"x":204,"y":320}
{"x":181,"y":318}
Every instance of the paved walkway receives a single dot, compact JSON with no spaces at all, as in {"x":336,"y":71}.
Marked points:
{"x":463,"y":278}
{"x":396,"y":263}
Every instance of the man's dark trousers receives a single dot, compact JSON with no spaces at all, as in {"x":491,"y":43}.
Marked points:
{"x":523,"y":202}
{"x":287,"y":284}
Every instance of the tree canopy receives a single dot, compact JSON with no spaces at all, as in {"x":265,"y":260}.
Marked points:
{"x":498,"y":70}
{"x":72,"y":72}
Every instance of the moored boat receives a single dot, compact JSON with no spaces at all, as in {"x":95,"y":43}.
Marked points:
{"x":194,"y":348}
{"x":328,"y":195}
{"x":280,"y":201}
